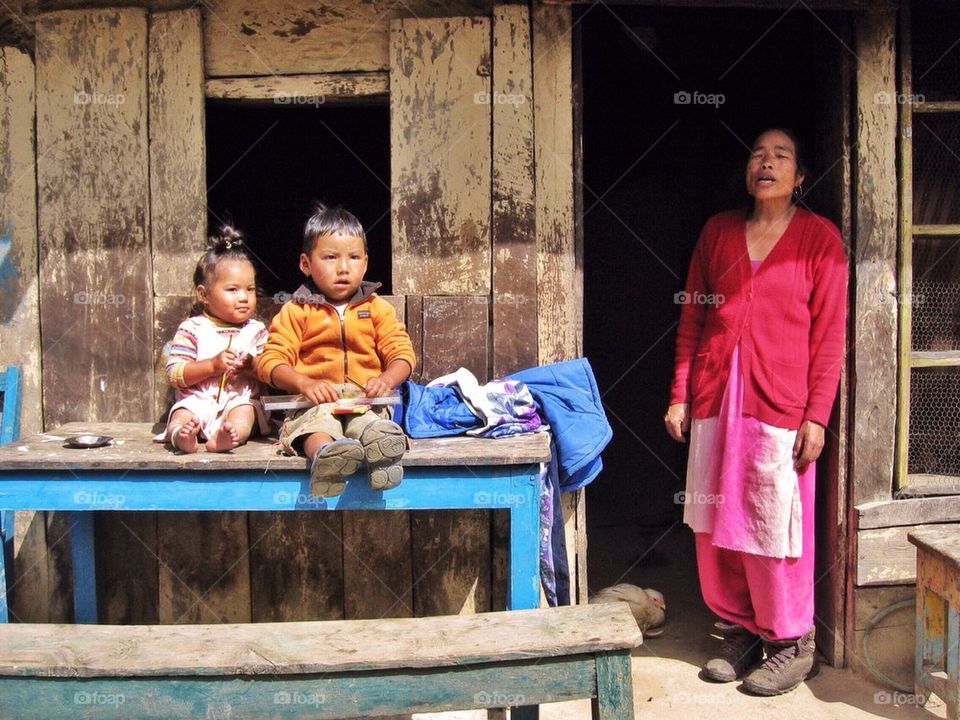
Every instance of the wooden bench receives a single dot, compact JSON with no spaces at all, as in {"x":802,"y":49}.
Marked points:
{"x":461,"y":473}
{"x":333,"y":669}
{"x":937,"y":663}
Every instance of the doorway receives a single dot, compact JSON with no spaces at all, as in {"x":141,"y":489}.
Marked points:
{"x":672,"y":99}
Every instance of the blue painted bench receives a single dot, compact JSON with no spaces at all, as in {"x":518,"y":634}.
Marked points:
{"x":317,"y":670}
{"x":134,"y":473}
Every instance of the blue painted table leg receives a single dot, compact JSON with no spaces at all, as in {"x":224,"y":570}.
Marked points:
{"x":6,"y":561}
{"x":84,"y":568}
{"x":523,"y":591}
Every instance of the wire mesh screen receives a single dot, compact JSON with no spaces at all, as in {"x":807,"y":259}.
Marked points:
{"x":934,"y":421}
{"x":936,"y":294}
{"x":936,"y":173}
{"x":936,"y":52}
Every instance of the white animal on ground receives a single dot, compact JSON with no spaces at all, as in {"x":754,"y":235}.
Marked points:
{"x":647,"y":605}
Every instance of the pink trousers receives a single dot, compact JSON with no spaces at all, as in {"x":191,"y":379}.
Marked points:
{"x":771,"y":597}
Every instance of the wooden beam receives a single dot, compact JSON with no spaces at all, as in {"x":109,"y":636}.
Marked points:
{"x":19,"y":284}
{"x":886,"y":557}
{"x":440,"y":118}
{"x":915,"y":511}
{"x":303,"y":90}
{"x":874,"y":339}
{"x":303,"y":36}
{"x":559,"y":258}
{"x":178,"y":176}
{"x":764,"y":4}
{"x":96,"y":289}
{"x":514,"y":205}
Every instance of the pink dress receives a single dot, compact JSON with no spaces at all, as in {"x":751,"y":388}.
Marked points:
{"x":752,"y":515}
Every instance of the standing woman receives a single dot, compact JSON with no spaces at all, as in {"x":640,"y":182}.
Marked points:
{"x":759,"y":349}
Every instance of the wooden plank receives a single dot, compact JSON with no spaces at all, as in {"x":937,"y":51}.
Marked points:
{"x":440,"y":147}
{"x":415,"y":331}
{"x":59,"y":568}
{"x":499,"y":559}
{"x":291,"y":648}
{"x":559,"y":259}
{"x":29,"y":578}
{"x":874,"y":336}
{"x":764,"y":4}
{"x":377,"y":568}
{"x":891,"y":642}
{"x":886,"y":557}
{"x":204,"y":567}
{"x":19,"y":295}
{"x":127,"y":569}
{"x":451,"y":562}
{"x":134,"y":449}
{"x":96,"y":296}
{"x":296,"y":566}
{"x":178,"y":175}
{"x":299,"y":90}
{"x":918,"y":511}
{"x":455,"y":334}
{"x":299,"y":36}
{"x":513,"y":226}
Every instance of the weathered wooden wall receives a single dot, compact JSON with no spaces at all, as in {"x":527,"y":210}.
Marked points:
{"x":481,"y":240}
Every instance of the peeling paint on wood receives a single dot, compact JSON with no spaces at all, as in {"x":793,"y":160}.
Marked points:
{"x":298,"y":36}
{"x":874,"y":339}
{"x":19,"y":291}
{"x":96,"y":295}
{"x":560,"y":267}
{"x":178,"y":176}
{"x":440,"y":128}
{"x":514,"y":208}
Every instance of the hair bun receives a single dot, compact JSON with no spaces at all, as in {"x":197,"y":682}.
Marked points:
{"x":228,"y":239}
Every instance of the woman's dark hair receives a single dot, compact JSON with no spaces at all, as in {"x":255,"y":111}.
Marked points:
{"x":226,"y":245}
{"x":331,"y":221}
{"x":799,"y":148}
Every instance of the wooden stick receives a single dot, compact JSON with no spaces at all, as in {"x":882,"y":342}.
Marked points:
{"x":223,"y":378}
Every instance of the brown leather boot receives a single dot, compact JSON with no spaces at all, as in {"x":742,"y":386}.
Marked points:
{"x":739,"y":650}
{"x":788,"y":663}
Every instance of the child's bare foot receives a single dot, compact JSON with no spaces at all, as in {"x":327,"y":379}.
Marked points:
{"x":226,"y":438}
{"x":184,"y":437}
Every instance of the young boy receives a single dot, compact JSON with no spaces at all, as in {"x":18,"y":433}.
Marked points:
{"x":336,"y":330}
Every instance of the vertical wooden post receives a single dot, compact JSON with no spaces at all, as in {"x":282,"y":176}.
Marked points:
{"x":514,"y":209}
{"x":559,"y":258}
{"x":19,"y":297}
{"x":874,"y":335}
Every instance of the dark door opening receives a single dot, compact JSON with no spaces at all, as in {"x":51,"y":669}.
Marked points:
{"x":672,"y":98}
{"x":267,"y":164}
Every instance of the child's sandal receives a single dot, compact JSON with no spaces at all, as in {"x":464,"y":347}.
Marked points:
{"x":383,"y":446}
{"x":332,"y":464}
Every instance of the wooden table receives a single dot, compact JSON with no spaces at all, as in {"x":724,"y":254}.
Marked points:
{"x":937,"y":661}
{"x":134,"y":473}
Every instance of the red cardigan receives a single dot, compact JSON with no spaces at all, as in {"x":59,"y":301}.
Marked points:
{"x":789,"y":318}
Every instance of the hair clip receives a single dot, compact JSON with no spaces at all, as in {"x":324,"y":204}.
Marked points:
{"x":229,"y":244}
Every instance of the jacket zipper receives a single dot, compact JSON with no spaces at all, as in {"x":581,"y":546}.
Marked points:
{"x":343,"y":341}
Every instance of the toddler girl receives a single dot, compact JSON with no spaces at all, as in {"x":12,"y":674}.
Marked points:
{"x":211,"y":358}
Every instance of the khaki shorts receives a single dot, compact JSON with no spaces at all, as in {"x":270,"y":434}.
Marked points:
{"x":320,"y":419}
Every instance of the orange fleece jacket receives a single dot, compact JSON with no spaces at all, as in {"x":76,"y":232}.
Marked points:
{"x":310,"y":338}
